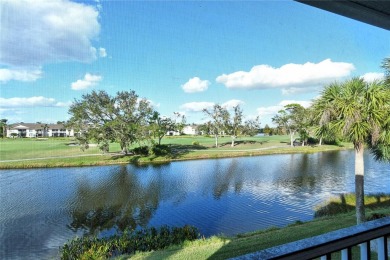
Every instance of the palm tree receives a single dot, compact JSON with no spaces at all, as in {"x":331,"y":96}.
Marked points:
{"x":358,"y":111}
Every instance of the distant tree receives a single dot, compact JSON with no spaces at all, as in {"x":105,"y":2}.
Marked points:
{"x":233,"y":124}
{"x":45,"y":128}
{"x":204,"y":129}
{"x":360,"y":113}
{"x":219,"y":117}
{"x":180,"y":122}
{"x":3,"y":127}
{"x":267,"y":130}
{"x":293,"y":120}
{"x":122,"y":118}
{"x":251,"y":127}
{"x":160,"y":125}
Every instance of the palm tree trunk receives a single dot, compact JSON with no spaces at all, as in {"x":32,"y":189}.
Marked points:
{"x":359,"y":183}
{"x":216,"y":140}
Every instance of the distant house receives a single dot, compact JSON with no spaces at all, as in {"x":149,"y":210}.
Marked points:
{"x":32,"y":130}
{"x":190,"y":130}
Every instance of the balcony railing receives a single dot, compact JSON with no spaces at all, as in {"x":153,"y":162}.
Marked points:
{"x":341,"y":240}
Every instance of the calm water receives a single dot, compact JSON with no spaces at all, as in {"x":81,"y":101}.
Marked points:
{"x":41,"y":209}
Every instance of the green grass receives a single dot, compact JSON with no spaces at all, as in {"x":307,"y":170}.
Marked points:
{"x":218,"y":247}
{"x":28,"y":153}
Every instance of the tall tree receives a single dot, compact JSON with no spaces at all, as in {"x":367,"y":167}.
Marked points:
{"x":359,"y":112}
{"x":292,"y":120}
{"x":3,"y":127}
{"x":218,"y":116}
{"x":180,"y":122}
{"x":122,"y":118}
{"x":234,"y":123}
{"x":160,"y":125}
{"x":251,"y":127}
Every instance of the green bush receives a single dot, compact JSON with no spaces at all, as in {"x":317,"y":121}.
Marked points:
{"x":142,"y":150}
{"x":195,"y":143}
{"x":161,"y":150}
{"x":128,"y":242}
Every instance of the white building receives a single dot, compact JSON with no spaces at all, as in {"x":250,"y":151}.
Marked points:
{"x":190,"y":130}
{"x":32,"y":130}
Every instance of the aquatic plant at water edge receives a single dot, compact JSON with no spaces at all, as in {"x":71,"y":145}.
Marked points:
{"x":129,"y":242}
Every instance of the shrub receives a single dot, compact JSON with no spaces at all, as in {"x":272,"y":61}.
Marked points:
{"x":195,"y":143}
{"x":128,"y":242}
{"x":141,"y":150}
{"x":161,"y":150}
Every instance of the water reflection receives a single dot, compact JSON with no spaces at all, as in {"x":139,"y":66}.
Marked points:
{"x":121,"y":202}
{"x":41,"y":209}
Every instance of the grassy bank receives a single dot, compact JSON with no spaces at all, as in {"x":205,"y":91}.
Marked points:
{"x":52,"y":152}
{"x":218,"y":247}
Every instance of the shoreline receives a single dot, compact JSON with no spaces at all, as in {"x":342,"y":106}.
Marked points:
{"x":120,"y":159}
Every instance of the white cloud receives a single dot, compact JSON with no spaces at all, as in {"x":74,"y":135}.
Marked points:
{"x":102,"y":53}
{"x":290,"y":76}
{"x":89,"y":80}
{"x":372,"y":76}
{"x":19,"y":75}
{"x":196,"y":106}
{"x":37,"y":101}
{"x":232,"y":103}
{"x":195,"y":85}
{"x":34,"y":32}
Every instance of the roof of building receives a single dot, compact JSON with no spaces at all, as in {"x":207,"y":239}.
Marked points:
{"x":35,"y":126}
{"x":374,"y":12}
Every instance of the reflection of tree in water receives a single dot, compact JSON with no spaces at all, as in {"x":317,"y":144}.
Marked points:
{"x":306,"y":171}
{"x":224,"y":178}
{"x":121,"y":202}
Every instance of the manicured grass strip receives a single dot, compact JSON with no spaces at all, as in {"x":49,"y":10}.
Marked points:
{"x":24,"y":152}
{"x":222,"y":248}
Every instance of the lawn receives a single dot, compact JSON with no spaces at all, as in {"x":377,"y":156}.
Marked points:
{"x":61,"y":152}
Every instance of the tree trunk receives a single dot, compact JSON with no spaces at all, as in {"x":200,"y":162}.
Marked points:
{"x":291,"y":139}
{"x":233,"y":138}
{"x":216,"y":141}
{"x":359,"y":183}
{"x":320,"y":141}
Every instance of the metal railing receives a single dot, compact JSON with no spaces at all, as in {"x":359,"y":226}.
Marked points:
{"x":342,"y":240}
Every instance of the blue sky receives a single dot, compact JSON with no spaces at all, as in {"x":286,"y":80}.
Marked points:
{"x":182,"y":56}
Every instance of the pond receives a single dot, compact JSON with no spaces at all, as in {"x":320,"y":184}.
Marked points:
{"x":41,"y":209}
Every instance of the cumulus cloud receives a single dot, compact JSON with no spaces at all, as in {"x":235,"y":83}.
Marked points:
{"x":298,"y":76}
{"x":36,"y":101}
{"x":19,"y":75}
{"x":89,"y":80}
{"x":372,"y":76}
{"x":232,"y":103}
{"x":196,"y":106}
{"x":59,"y":30}
{"x":195,"y":85}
